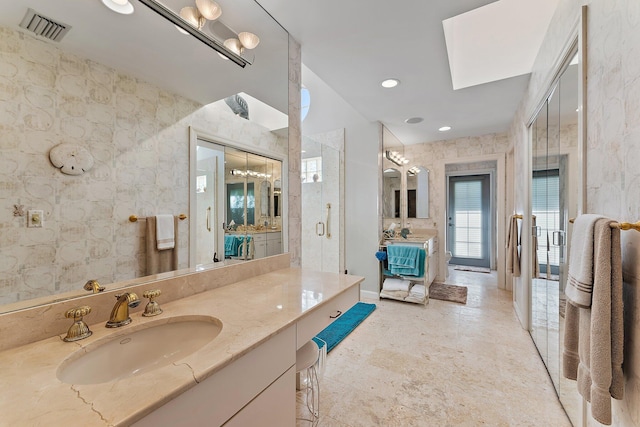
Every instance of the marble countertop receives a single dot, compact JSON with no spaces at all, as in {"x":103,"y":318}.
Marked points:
{"x":264,"y":230}
{"x":251,"y":311}
{"x":421,"y":237}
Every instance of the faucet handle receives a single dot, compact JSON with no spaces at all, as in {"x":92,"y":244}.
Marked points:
{"x":152,"y":308}
{"x":79,"y":330}
{"x":93,"y":285}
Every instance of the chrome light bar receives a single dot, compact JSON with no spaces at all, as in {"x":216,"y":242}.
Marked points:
{"x":175,"y":19}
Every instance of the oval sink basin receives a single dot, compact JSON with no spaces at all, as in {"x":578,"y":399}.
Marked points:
{"x":151,"y":346}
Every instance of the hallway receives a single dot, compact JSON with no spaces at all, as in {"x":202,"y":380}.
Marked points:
{"x":445,"y":364}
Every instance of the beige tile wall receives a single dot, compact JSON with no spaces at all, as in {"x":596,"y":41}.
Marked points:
{"x":138,"y":135}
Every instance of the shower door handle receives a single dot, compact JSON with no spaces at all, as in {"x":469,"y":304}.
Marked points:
{"x":209,"y":218}
{"x":320,"y":228}
{"x":558,"y":238}
{"x":328,"y":217}
{"x":536,"y":230}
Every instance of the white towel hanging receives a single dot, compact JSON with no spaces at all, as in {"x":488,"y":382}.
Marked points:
{"x":165,"y":233}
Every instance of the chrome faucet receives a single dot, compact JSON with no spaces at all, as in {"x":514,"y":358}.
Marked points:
{"x":120,"y":313}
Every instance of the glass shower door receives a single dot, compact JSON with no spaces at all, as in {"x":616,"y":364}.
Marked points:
{"x":321,"y":206}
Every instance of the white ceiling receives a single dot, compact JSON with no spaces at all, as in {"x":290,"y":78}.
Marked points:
{"x":353,"y":45}
{"x":147,"y":46}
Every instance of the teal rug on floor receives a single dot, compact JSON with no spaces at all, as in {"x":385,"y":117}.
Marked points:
{"x":344,"y":325}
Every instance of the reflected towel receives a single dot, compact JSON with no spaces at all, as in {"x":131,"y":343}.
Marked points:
{"x":513,"y":242}
{"x":231,"y":244}
{"x":165,"y":232}
{"x":581,"y":261}
{"x":535,"y":271}
{"x":164,"y":260}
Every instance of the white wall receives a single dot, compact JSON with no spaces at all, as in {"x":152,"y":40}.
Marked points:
{"x":329,"y":111}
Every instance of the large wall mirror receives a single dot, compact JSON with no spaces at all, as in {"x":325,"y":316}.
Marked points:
{"x":554,"y":198}
{"x":392,"y":186}
{"x":127,"y":90}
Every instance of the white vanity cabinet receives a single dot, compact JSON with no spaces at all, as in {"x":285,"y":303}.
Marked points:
{"x":262,"y":383}
{"x":267,"y":244}
{"x":260,"y":387}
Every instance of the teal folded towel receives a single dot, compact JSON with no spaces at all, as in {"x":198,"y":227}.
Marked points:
{"x":230,"y":246}
{"x":406,"y":260}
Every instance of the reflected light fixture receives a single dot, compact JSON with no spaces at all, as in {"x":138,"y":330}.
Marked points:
{"x":413,"y":170}
{"x":119,"y":6}
{"x":389,"y":83}
{"x":444,"y":128}
{"x":396,"y":158}
{"x":193,"y":20}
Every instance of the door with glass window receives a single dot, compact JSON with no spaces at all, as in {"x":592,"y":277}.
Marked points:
{"x":469,"y":218}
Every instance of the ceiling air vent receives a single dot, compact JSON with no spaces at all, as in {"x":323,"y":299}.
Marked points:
{"x":45,"y":27}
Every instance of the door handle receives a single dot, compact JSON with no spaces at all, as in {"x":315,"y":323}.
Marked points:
{"x":536,"y":230}
{"x":328,"y":217}
{"x":320,"y":228}
{"x":209,"y":218}
{"x":558,"y":238}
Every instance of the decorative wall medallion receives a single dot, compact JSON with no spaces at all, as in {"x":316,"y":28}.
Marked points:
{"x":71,"y":159}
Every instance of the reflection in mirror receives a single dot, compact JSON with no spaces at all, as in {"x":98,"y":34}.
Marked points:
{"x":391,"y":193}
{"x":554,"y":189}
{"x":131,"y":111}
{"x":417,"y":192}
{"x":251,"y":228}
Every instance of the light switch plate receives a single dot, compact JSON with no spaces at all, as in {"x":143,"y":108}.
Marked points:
{"x":35,"y":218}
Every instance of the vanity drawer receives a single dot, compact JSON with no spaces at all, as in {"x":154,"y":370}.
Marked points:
{"x":309,"y":326}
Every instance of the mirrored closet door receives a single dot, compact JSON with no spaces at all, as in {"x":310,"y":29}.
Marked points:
{"x":554,"y":199}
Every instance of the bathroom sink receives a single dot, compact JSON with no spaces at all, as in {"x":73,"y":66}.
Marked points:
{"x":143,"y":349}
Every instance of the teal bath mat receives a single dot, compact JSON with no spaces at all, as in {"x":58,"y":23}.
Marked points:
{"x":344,"y":325}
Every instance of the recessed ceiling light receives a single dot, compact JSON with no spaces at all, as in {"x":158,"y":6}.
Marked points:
{"x":119,"y":6}
{"x":414,"y":120}
{"x":444,"y":128}
{"x":389,"y":83}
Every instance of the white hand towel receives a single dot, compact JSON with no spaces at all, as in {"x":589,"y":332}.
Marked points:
{"x":165,"y":234}
{"x":391,"y":285}
{"x":417,"y":291}
{"x":580,"y":282}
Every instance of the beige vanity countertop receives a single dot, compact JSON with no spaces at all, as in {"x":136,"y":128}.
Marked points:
{"x":251,"y":311}
{"x":418,"y":237}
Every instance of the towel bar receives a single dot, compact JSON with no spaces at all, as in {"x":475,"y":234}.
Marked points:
{"x":620,"y":225}
{"x":134,"y":218}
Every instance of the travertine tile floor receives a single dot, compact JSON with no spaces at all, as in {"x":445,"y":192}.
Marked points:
{"x":445,"y":364}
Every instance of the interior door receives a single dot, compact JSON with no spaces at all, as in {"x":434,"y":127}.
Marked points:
{"x":469,"y":220}
{"x":209,"y":202}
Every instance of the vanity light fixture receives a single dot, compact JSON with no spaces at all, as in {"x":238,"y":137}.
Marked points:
{"x":193,"y":20}
{"x":389,"y":83}
{"x":123,"y":7}
{"x":396,"y":158}
{"x":444,"y":128}
{"x":249,"y":173}
{"x":413,"y":170}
